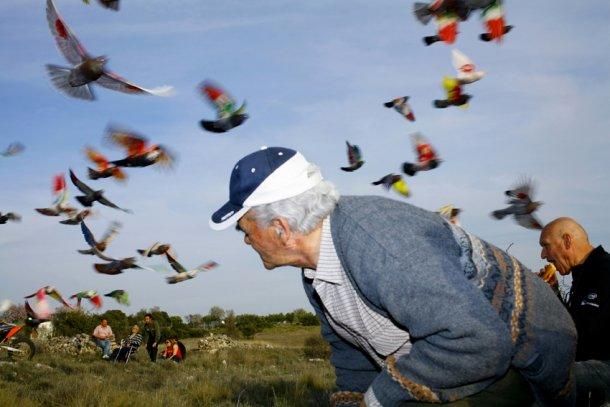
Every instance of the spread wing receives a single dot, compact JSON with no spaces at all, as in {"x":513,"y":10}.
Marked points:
{"x":207,"y":266}
{"x":88,"y":235}
{"x":353,"y":153}
{"x":133,"y":143}
{"x":106,"y":202}
{"x":523,"y":192}
{"x":112,"y":81}
{"x":99,"y":159}
{"x":221,"y":100}
{"x":111,"y":233}
{"x":528,"y":221}
{"x":13,"y":149}
{"x":67,"y":42}
{"x":80,"y":185}
{"x":179,"y":268}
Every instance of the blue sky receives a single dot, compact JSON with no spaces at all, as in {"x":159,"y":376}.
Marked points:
{"x":314,"y":74}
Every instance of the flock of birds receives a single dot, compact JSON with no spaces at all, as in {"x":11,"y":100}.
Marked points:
{"x":85,"y":70}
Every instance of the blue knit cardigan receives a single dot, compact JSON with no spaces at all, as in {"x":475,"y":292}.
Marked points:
{"x":471,"y":309}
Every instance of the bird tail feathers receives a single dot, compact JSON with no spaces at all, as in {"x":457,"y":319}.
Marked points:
{"x":60,"y":76}
{"x":422,"y":13}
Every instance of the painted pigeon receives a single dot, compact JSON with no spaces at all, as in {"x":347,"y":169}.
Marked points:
{"x":121,"y":296}
{"x":466,"y":74}
{"x":103,"y":167}
{"x":466,"y":70}
{"x":12,"y":150}
{"x":9,"y":216}
{"x":33,"y":318}
{"x":76,"y":80}
{"x":354,"y":156}
{"x":155,"y":250}
{"x":99,"y":247}
{"x":227,"y":113}
{"x":183,"y":273}
{"x":448,"y":14}
{"x":94,"y":298}
{"x":92,"y":195}
{"x":401,"y":105}
{"x":427,"y":159}
{"x":396,"y":182}
{"x":140,"y":153}
{"x":521,"y":206}
{"x":44,"y":310}
{"x":62,"y":195}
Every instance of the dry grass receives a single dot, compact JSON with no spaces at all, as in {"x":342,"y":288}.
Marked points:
{"x":280,"y":376}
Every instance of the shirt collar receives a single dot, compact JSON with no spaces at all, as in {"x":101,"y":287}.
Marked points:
{"x":329,"y":267}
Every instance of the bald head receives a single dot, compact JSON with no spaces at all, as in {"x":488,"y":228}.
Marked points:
{"x":565,"y":243}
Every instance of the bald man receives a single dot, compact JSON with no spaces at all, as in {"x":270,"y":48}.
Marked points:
{"x":566,"y":245}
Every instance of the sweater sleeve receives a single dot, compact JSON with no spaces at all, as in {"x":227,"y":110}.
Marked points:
{"x":354,"y":370}
{"x":460,"y":345}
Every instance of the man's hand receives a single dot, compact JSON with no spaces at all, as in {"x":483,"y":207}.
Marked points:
{"x":549,"y":275}
{"x":154,"y":345}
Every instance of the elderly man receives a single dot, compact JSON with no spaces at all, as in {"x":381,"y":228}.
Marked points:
{"x":566,"y":245}
{"x":103,"y":335}
{"x":414,"y":308}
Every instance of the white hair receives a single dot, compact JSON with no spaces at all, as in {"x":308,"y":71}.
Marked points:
{"x":303,"y":212}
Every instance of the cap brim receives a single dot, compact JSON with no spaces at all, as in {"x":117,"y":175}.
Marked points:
{"x":227,"y":216}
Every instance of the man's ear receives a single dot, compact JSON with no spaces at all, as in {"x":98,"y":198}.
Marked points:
{"x":282,"y":228}
{"x":567,"y":241}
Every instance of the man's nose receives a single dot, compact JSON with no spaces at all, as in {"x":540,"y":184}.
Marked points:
{"x":543,"y":254}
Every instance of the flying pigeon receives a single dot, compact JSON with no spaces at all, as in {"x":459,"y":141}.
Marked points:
{"x":121,"y":296}
{"x":228,"y":114}
{"x":395,"y":182}
{"x":9,"y":216}
{"x":450,"y":213}
{"x":62,"y":195}
{"x":94,"y":298}
{"x":43,"y":305}
{"x":401,"y":105}
{"x":33,"y":318}
{"x":466,"y":70}
{"x":427,"y":159}
{"x":91,"y":195}
{"x":103,"y":167}
{"x":155,"y":250}
{"x":116,"y":266}
{"x":12,"y":150}
{"x":99,"y":247}
{"x":140,"y":153}
{"x":454,"y":95}
{"x":448,"y":14}
{"x":77,"y":217}
{"x":354,"y":156}
{"x":76,"y":80}
{"x":109,"y":4}
{"x":183,"y":273}
{"x":521,"y":206}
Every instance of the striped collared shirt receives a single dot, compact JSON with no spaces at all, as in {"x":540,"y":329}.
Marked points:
{"x":347,"y":313}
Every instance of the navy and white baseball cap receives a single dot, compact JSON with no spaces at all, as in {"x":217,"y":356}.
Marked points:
{"x":265,"y":176}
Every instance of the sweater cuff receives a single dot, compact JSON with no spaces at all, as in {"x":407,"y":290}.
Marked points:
{"x":370,"y":399}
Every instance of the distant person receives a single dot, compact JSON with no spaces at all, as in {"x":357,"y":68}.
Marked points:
{"x":414,"y":308}
{"x":128,"y":345}
{"x":152,"y":335}
{"x":565,"y":244}
{"x":173,"y":350}
{"x":102,"y":335}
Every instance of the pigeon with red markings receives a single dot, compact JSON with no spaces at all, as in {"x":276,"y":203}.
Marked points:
{"x":104,"y":169}
{"x":44,"y":310}
{"x":92,"y":195}
{"x":183,"y":273}
{"x":228,"y":115}
{"x":62,"y":195}
{"x":140,"y":153}
{"x":401,"y":105}
{"x":12,"y":150}
{"x":427,"y":159}
{"x":94,"y":298}
{"x":354,"y":157}
{"x":76,"y":80}
{"x":521,"y":206}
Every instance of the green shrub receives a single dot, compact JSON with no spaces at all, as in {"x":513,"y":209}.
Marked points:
{"x":70,"y":322}
{"x":316,"y":347}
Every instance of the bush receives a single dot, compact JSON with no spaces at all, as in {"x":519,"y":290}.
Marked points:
{"x":316,"y":347}
{"x":68,"y":322}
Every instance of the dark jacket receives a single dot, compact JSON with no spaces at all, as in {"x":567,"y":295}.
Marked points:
{"x":471,"y":310}
{"x":152,"y":333}
{"x":589,"y":305}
